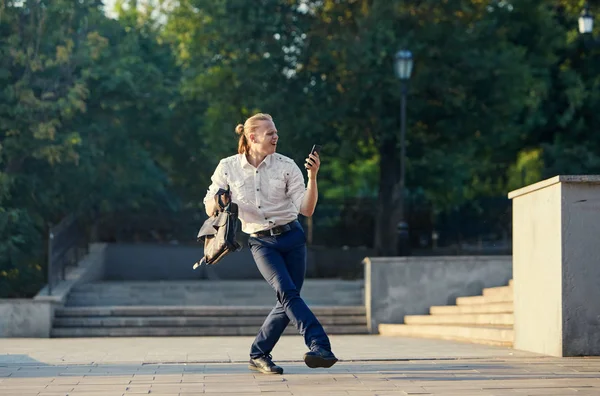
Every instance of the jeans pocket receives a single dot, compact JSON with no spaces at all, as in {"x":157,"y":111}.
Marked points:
{"x":297,"y":237}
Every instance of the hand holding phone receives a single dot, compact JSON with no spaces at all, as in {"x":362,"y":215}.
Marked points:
{"x":313,"y":161}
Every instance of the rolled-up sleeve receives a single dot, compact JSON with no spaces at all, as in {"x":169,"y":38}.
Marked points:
{"x":296,"y":187}
{"x":218,"y":180}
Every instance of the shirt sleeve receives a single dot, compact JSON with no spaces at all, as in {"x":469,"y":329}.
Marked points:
{"x":296,"y":187}
{"x":219,"y":180}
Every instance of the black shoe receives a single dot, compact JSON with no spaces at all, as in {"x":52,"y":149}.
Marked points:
{"x":319,"y":357}
{"x":265,"y":365}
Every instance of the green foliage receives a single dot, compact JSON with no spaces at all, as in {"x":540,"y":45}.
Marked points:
{"x":20,"y":270}
{"x":134,"y":113}
{"x":527,"y":170}
{"x":326,"y":74}
{"x":569,"y":134}
{"x":351,"y":179}
{"x":488,"y":82}
{"x":83,"y":112}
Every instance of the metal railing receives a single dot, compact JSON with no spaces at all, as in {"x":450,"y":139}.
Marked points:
{"x":146,"y":226}
{"x":474,"y":227}
{"x":67,"y":243}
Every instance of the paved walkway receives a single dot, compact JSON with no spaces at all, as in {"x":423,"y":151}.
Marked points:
{"x":370,"y":365}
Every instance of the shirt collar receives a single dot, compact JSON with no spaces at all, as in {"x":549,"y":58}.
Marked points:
{"x":244,"y":161}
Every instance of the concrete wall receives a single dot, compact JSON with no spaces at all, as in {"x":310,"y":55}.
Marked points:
{"x":174,"y":262}
{"x":538,"y":271}
{"x":399,"y":286}
{"x":25,"y":318}
{"x":581,"y":269}
{"x":33,"y":317}
{"x":556,"y":250}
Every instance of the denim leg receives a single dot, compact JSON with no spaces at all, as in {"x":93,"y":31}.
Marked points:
{"x":277,"y":320}
{"x":295,"y":262}
{"x":270,"y":332}
{"x":285,"y":273}
{"x":306,"y":322}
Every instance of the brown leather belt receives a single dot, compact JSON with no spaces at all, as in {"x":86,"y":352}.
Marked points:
{"x":278,"y":230}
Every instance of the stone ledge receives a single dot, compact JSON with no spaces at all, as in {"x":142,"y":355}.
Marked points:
{"x":25,"y":318}
{"x":433,"y":259}
{"x":554,"y":180}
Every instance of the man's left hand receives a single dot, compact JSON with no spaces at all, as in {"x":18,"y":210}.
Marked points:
{"x":312,"y":165}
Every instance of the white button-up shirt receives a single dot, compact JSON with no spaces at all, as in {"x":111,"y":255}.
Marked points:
{"x":267,"y":196}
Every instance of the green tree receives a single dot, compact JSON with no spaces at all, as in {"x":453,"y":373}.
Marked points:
{"x":42,"y":93}
{"x":238,"y":58}
{"x":474,"y":94}
{"x":569,"y":135}
{"x":85,"y":110}
{"x":324,"y":70}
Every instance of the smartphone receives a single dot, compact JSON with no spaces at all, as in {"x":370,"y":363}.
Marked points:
{"x":315,"y":149}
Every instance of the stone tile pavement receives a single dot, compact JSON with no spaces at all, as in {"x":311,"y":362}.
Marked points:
{"x":370,"y":365}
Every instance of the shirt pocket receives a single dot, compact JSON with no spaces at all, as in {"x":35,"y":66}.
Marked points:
{"x":239,"y":190}
{"x":277,"y":189}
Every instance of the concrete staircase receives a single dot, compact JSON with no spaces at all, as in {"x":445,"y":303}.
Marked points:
{"x":200,"y":308}
{"x":486,"y":319}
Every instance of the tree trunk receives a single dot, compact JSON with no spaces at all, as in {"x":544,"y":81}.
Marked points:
{"x":387,"y":200}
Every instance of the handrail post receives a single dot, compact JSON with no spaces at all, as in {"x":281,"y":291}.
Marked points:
{"x":50,"y":269}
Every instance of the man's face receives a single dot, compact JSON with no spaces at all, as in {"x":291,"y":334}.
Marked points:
{"x":265,"y":138}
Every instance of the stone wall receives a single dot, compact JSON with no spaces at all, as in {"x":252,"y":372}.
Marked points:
{"x":556,"y":235}
{"x":399,"y":286}
{"x":174,"y":262}
{"x":33,"y":317}
{"x":25,"y":318}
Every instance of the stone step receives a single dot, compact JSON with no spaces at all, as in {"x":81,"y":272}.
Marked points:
{"x":481,"y":335}
{"x":503,"y":307}
{"x":199,"y":285}
{"x":187,"y":292}
{"x":184,"y":293}
{"x":207,"y":295}
{"x":484,"y":299}
{"x":191,"y":311}
{"x":211,"y":300}
{"x":186,"y":331}
{"x":200,"y":308}
{"x":216,"y":302}
{"x":236,"y":292}
{"x":183,"y":321}
{"x":499,"y":319}
{"x":506,"y":291}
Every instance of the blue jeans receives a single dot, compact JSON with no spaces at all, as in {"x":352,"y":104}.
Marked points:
{"x":281,"y":260}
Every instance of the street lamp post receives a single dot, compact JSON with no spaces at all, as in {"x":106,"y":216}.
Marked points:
{"x":586,"y":26}
{"x":586,"y":20}
{"x":403,"y":65}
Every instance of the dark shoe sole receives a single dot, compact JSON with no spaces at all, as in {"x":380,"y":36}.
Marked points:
{"x":313,"y":361}
{"x":255,"y":368}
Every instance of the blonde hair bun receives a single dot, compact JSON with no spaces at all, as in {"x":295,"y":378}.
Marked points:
{"x":239,"y":129}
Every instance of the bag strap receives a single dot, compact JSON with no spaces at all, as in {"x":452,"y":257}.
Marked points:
{"x":220,"y":204}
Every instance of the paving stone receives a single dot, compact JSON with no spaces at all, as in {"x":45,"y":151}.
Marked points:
{"x":369,"y":365}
